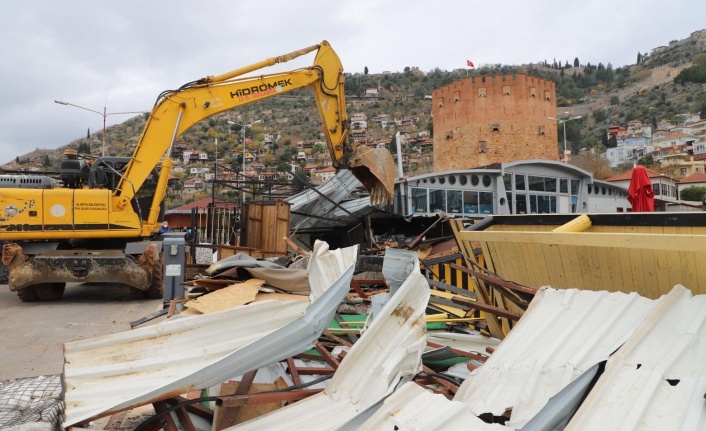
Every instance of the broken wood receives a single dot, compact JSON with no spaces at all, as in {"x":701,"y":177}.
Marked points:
{"x":224,"y":417}
{"x":241,"y":400}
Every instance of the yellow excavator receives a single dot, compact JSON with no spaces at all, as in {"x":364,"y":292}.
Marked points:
{"x":99,"y":224}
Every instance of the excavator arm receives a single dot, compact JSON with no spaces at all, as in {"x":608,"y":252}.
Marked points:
{"x":176,"y":111}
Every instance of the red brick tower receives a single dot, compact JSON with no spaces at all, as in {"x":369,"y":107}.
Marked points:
{"x":481,"y":120}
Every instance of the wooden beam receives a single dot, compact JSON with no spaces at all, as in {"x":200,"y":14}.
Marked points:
{"x":241,"y":400}
{"x":166,"y":421}
{"x":494,"y":279}
{"x":195,"y":408}
{"x":500,"y":312}
{"x":224,"y":417}
{"x":466,"y":248}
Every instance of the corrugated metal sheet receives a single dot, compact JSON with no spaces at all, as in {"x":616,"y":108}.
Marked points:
{"x":562,"y":334}
{"x":473,"y":342}
{"x":657,"y":380}
{"x":312,"y":203}
{"x":116,"y":372}
{"x":388,"y":352}
{"x":413,"y":408}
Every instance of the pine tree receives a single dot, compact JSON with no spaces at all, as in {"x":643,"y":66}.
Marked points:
{"x":88,"y":133}
{"x":576,"y":62}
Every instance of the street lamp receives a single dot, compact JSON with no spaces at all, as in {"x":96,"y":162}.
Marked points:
{"x":103,"y":114}
{"x":563,"y":121}
{"x":215,"y":175}
{"x":242,"y":131}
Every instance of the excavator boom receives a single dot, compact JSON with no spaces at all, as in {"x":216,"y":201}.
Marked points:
{"x":178,"y":110}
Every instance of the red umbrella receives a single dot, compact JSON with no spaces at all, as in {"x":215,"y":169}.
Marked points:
{"x":640,"y":193}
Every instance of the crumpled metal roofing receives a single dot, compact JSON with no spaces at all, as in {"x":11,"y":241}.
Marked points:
{"x":116,"y":372}
{"x":562,"y":334}
{"x":388,"y":352}
{"x":311,"y":202}
{"x":657,"y":380}
{"x":413,"y":408}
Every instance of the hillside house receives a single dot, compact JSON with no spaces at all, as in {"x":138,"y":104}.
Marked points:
{"x":322,"y":175}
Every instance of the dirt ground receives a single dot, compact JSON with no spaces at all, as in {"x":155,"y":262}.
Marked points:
{"x":33,"y":333}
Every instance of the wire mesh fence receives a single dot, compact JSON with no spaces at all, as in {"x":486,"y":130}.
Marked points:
{"x":31,"y":400}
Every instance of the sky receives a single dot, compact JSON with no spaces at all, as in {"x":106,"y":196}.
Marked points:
{"x":117,"y":56}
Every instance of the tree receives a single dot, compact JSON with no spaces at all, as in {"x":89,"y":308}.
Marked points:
{"x":693,"y":193}
{"x":639,"y":58}
{"x":47,"y":161}
{"x":17,"y":160}
{"x":599,"y":115}
{"x":88,"y":133}
{"x":317,"y":148}
{"x":646,"y":161}
{"x":576,"y":62}
{"x":365,"y":71}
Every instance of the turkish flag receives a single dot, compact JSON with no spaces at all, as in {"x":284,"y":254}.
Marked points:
{"x":470,"y":63}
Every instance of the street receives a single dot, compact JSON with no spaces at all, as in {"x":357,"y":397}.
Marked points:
{"x":33,"y":333}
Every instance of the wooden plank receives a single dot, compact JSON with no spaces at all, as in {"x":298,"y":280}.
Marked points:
{"x":195,"y":408}
{"x":465,"y":246}
{"x":673,"y":264}
{"x":241,"y":400}
{"x":637,"y":269}
{"x":661,"y":268}
{"x":293,"y":371}
{"x":534,"y":266}
{"x":673,"y":242}
{"x":572,"y":269}
{"x":608,"y":279}
{"x":166,"y":420}
{"x":520,"y":263}
{"x":557,"y":273}
{"x":628,"y":283}
{"x":595,"y":274}
{"x":224,"y":416}
{"x":184,"y":419}
{"x":497,"y":311}
{"x":700,"y":274}
{"x":497,"y":280}
{"x":688,"y":270}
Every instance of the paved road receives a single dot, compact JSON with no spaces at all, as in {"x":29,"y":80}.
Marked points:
{"x":33,"y":333}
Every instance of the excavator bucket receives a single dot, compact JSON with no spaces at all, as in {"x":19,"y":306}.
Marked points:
{"x":375,"y":168}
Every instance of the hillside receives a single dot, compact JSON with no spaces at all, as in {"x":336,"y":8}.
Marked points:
{"x":603,"y":96}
